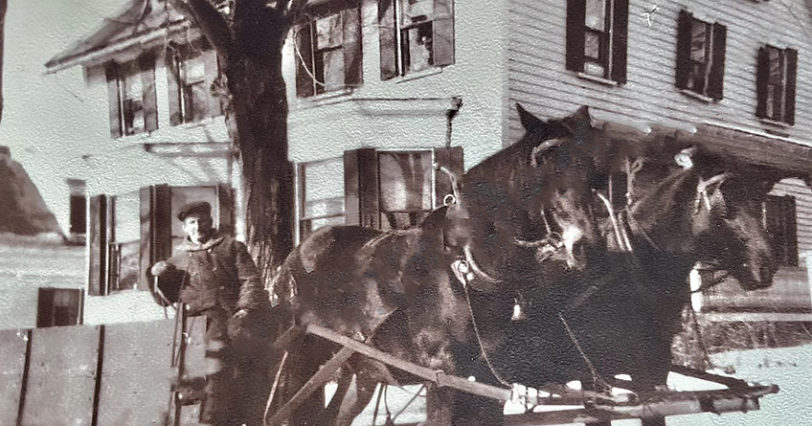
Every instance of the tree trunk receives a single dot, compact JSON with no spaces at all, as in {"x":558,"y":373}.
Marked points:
{"x":259,"y":113}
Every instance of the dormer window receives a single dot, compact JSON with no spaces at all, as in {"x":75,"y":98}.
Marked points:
{"x":131,"y":95}
{"x":191,"y":71}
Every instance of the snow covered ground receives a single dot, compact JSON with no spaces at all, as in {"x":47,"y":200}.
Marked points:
{"x":789,"y":368}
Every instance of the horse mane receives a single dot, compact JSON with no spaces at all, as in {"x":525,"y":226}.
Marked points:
{"x":660,"y":205}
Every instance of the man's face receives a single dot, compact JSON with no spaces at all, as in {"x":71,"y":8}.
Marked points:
{"x":197,"y":227}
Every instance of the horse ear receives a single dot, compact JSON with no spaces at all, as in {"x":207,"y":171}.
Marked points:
{"x":578,"y":121}
{"x":529,"y":121}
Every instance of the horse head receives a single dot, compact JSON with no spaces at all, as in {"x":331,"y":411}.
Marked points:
{"x":704,"y":210}
{"x":526,"y":210}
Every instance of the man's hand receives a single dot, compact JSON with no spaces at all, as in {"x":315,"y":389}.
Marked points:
{"x":161,"y":267}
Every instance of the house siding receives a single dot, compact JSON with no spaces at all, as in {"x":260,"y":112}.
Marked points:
{"x":538,"y":78}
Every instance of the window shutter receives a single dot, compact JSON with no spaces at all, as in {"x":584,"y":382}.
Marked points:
{"x":443,"y":36}
{"x":762,"y":79}
{"x":620,"y":32}
{"x":210,"y":63}
{"x":156,"y":228}
{"x":451,"y":158}
{"x":304,"y":46}
{"x":353,"y":60}
{"x":388,"y":39}
{"x":361,"y":202}
{"x":225,"y":209}
{"x":173,"y":86}
{"x":113,"y":100}
{"x":98,"y":238}
{"x":683,"y":68}
{"x":717,"y":71}
{"x":45,"y":307}
{"x":792,"y":74}
{"x":790,"y":230}
{"x":146,"y":63}
{"x":576,"y":15}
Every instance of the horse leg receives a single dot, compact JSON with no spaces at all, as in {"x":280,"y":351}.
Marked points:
{"x":357,"y":396}
{"x":331,"y":412}
{"x":476,"y":410}
{"x":439,"y":405}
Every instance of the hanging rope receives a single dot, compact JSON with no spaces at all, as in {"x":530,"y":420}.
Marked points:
{"x":596,"y":378}
{"x":274,"y":387}
{"x":485,"y":356}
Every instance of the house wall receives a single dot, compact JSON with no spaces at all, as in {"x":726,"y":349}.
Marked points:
{"x":538,"y":79}
{"x":409,"y":112}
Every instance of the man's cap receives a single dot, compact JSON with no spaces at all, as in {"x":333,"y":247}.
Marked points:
{"x":197,"y":207}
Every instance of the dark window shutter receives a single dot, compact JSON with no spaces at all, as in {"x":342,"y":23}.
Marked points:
{"x":388,"y":39}
{"x":361,"y":202}
{"x":443,"y":33}
{"x":762,"y":79}
{"x":210,"y":63}
{"x":791,"y":230}
{"x":620,"y":33}
{"x":45,"y":307}
{"x":792,"y":78}
{"x":225,"y":209}
{"x":156,"y":228}
{"x":78,"y":214}
{"x":173,"y":86}
{"x":113,"y":99}
{"x":451,"y":158}
{"x":304,"y":60}
{"x":576,"y":14}
{"x":717,"y":71}
{"x":98,"y":238}
{"x":353,"y":58}
{"x":683,"y":68}
{"x":146,"y":64}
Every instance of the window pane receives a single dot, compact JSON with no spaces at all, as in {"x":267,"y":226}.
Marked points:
{"x":324,"y":180}
{"x":415,"y":11}
{"x":699,"y":33}
{"x":596,"y":14}
{"x":195,"y":102}
{"x":696,"y":80}
{"x":133,"y":86}
{"x":194,"y":70}
{"x":770,"y":107}
{"x":333,"y":63}
{"x":328,"y":32}
{"x":592,"y":45}
{"x":405,"y":181}
{"x":418,"y":47}
{"x":127,"y":217}
{"x":776,"y":70}
{"x":128,"y":267}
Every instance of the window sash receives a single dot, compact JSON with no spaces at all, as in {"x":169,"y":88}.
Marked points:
{"x":776,"y":84}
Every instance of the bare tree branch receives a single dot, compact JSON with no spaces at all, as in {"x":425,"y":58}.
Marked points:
{"x":210,"y":21}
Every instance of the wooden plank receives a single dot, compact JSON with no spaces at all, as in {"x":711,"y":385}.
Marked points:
{"x":136,"y":373}
{"x":670,"y":404}
{"x":12,"y":364}
{"x":62,"y":376}
{"x":754,"y":317}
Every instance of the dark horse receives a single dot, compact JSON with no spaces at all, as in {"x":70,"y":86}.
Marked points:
{"x":522,"y":214}
{"x":703,"y":210}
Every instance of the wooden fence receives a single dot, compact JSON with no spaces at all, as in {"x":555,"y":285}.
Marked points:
{"x":91,"y":375}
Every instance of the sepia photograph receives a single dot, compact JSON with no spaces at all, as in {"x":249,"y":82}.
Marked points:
{"x":405,"y":212}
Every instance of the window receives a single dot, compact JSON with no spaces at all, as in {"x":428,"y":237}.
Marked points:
{"x":57,"y":307}
{"x":779,"y":217}
{"x":192,"y":69}
{"x":328,"y":49}
{"x":131,"y":95}
{"x":415,"y":35}
{"x":396,"y":189}
{"x":700,"y":56}
{"x":321,"y":195}
{"x":130,"y":232}
{"x":775,"y":84}
{"x":597,"y":38}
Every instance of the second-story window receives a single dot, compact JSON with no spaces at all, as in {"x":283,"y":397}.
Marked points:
{"x":775,"y":84}
{"x":415,"y":35}
{"x":191,"y":71}
{"x":131,"y":95}
{"x":328,"y":48}
{"x":700,"y":56}
{"x":597,"y":37}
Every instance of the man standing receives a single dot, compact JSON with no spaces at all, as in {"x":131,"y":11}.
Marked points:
{"x":215,"y":277}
